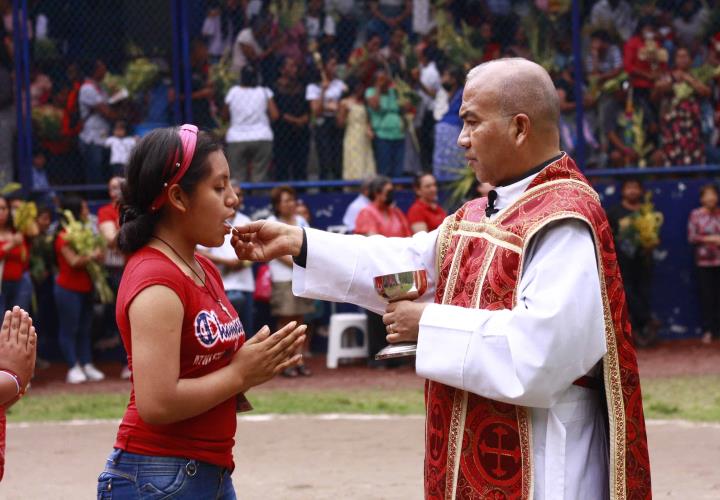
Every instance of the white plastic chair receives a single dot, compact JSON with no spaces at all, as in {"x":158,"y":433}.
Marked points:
{"x":340,"y":342}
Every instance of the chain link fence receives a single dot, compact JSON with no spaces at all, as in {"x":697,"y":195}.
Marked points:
{"x":342,"y":90}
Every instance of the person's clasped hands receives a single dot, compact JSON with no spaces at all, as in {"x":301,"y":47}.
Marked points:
{"x":18,"y":347}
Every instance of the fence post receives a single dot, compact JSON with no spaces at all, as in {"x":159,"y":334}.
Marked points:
{"x":22,"y":94}
{"x":176,"y":59}
{"x":578,"y":75}
{"x":185,"y":54}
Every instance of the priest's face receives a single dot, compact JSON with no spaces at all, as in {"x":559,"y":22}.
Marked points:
{"x":486,"y":133}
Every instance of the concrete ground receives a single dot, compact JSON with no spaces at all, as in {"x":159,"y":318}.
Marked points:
{"x":321,"y":457}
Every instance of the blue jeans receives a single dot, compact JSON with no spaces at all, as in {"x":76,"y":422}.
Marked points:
{"x":132,"y":476}
{"x":244,"y":304}
{"x":74,"y":324}
{"x":16,"y":293}
{"x":389,"y":156}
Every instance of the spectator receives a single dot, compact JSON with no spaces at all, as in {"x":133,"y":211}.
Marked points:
{"x":425,"y":214}
{"x":428,"y":85}
{"x":520,"y":46}
{"x":247,"y":47}
{"x":448,"y":157}
{"x":691,"y":22}
{"x":40,"y":183}
{"x":121,"y":147}
{"x":604,"y":59}
{"x":212,"y":31}
{"x":381,"y":216}
{"x":320,"y":27}
{"x":40,"y":87}
{"x":156,"y":101}
{"x":285,"y":306}
{"x":387,"y":15}
{"x":74,"y":297}
{"x":704,"y":234}
{"x":15,"y":255}
{"x":18,"y":344}
{"x":345,"y":12}
{"x":109,"y":227}
{"x":201,"y":87}
{"x":324,"y":97}
{"x":712,"y":108}
{"x":394,"y":53}
{"x":356,"y":206}
{"x":249,"y":137}
{"x":387,"y":125}
{"x":358,"y":159}
{"x":644,"y":60}
{"x":96,"y":115}
{"x":488,"y":41}
{"x":613,"y":16}
{"x":636,"y":263}
{"x":365,"y":60}
{"x":422,"y":18}
{"x":291,"y":149}
{"x":42,"y":273}
{"x":237,"y":275}
{"x":680,"y":121}
{"x":568,"y":106}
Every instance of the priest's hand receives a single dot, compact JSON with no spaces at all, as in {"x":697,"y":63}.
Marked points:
{"x":402,"y":320}
{"x":266,"y":240}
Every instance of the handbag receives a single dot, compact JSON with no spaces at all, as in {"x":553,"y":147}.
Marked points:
{"x":263,"y":285}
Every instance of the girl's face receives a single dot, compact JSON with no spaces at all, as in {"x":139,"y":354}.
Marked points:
{"x":84,"y":211}
{"x":287,"y":205}
{"x":211,"y":204}
{"x":4,"y":212}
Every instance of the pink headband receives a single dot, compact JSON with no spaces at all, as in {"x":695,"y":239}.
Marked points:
{"x":188,"y":137}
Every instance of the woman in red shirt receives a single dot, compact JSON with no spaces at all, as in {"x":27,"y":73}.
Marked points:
{"x":74,"y":301}
{"x":15,"y":258}
{"x":186,"y":346}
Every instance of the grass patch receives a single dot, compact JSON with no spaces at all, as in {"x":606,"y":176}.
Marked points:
{"x":695,"y":398}
{"x":112,"y":405}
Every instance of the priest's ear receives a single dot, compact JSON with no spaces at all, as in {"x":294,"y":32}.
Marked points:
{"x":520,"y":129}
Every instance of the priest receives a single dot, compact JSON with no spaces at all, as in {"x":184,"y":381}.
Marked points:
{"x":523,"y":336}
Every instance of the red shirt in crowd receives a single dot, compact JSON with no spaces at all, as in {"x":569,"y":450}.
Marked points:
{"x":632,"y":62}
{"x":75,"y":279}
{"x":389,"y":223}
{"x":16,"y":261}
{"x":208,"y":340}
{"x":421,"y":211}
{"x":109,"y":213}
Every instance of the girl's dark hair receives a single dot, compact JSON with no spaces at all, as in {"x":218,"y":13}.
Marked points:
{"x":709,"y":187}
{"x":72,"y":203}
{"x":10,"y":223}
{"x":248,"y":76}
{"x":276,"y":196}
{"x":145,"y":181}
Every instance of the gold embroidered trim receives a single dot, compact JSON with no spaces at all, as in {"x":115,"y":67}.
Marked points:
{"x":525,"y":432}
{"x":487,"y":261}
{"x":611,"y":364}
{"x":445,"y":235}
{"x":491,"y":239}
{"x":493,"y":230}
{"x":454,"y":269}
{"x":457,"y":431}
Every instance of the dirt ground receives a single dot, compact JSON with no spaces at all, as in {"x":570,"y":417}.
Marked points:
{"x":317,"y":458}
{"x":329,"y":457}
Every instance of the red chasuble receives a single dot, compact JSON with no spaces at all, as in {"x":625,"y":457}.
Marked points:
{"x":477,"y":448}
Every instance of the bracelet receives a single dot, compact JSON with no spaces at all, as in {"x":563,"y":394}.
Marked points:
{"x":16,"y":379}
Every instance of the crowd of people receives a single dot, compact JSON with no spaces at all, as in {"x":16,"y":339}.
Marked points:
{"x":330,"y":90}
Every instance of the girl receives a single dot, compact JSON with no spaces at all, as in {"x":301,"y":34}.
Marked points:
{"x":186,"y":346}
{"x":15,"y":256}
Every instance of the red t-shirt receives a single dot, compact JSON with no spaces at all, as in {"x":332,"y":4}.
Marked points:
{"x":391,"y":223}
{"x":16,"y":261}
{"x":208,"y":340}
{"x":632,"y":61}
{"x":422,"y":212}
{"x":109,"y":213}
{"x":75,"y":279}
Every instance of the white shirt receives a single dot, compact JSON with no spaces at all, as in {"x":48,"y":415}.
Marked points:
{"x":245,"y":37}
{"x":527,"y":356}
{"x":313,"y":28}
{"x":95,"y":128}
{"x":430,"y":78}
{"x":353,"y":210}
{"x":333,"y":93}
{"x":620,"y":19}
{"x":249,"y":119}
{"x":233,"y":279}
{"x":120,"y":149}
{"x":212,"y":29}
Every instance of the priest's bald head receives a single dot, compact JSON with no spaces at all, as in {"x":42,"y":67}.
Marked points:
{"x":510,"y":111}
